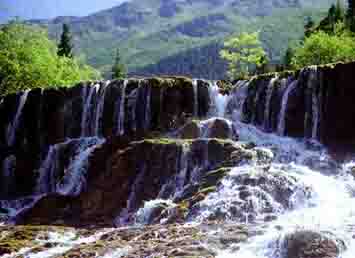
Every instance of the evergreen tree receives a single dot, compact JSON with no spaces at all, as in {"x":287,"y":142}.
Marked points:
{"x":350,"y":15}
{"x":65,"y":47}
{"x":288,"y":58}
{"x":331,"y":18}
{"x":339,"y":11}
{"x":118,"y":69}
{"x":309,"y":24}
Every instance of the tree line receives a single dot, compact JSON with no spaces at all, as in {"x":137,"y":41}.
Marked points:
{"x":29,"y":59}
{"x":330,"y":41}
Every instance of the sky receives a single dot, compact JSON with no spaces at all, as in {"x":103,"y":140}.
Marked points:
{"x":42,"y":9}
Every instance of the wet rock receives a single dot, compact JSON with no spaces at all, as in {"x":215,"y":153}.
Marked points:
{"x":190,"y":131}
{"x":309,"y":244}
{"x":218,"y":128}
{"x":264,"y":155}
{"x":139,"y":171}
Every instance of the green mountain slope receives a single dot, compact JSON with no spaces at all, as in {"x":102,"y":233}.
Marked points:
{"x":154,"y":33}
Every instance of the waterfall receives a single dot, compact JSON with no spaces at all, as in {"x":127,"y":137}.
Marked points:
{"x":259,"y":90}
{"x":181,"y":177}
{"x":132,"y":105}
{"x":121,"y":114}
{"x":276,"y":186}
{"x":238,"y":98}
{"x":12,"y":127}
{"x":174,"y":187}
{"x":7,"y":177}
{"x":195,"y":88}
{"x":100,"y":110}
{"x":161,"y":104}
{"x":282,"y":116}
{"x":87,"y":116}
{"x":312,"y":83}
{"x":72,"y":179}
{"x":48,"y":171}
{"x":147,"y":117}
{"x":125,"y":215}
{"x":267,"y":111}
{"x":219,"y":101}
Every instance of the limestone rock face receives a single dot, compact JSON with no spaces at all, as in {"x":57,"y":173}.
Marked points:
{"x":31,"y":122}
{"x":137,"y":171}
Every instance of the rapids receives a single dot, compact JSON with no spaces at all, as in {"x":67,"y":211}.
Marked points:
{"x":295,"y":184}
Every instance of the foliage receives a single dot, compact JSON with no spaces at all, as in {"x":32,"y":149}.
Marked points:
{"x":242,"y":53}
{"x":287,"y":62}
{"x":155,"y":44}
{"x":323,"y":48}
{"x":65,"y":47}
{"x":28,"y":59}
{"x":118,"y":68}
{"x":335,"y":15}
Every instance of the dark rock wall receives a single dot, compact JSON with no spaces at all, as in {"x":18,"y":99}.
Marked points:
{"x":334,"y":87}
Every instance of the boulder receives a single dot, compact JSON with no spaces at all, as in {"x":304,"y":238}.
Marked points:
{"x":220,"y":128}
{"x":190,"y":131}
{"x":310,"y":244}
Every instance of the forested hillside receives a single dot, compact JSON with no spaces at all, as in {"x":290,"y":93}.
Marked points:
{"x":175,"y":36}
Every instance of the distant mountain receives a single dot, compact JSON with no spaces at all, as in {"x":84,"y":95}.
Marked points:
{"x":155,"y":34}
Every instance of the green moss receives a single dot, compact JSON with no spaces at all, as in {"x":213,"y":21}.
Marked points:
{"x":170,"y":82}
{"x":208,"y":190}
{"x":21,"y":236}
{"x":212,"y":178}
{"x":163,"y":141}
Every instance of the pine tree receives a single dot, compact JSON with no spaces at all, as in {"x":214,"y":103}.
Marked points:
{"x":288,"y":58}
{"x":65,"y":47}
{"x":118,"y":69}
{"x":309,"y":24}
{"x":339,"y":11}
{"x":335,"y":15}
{"x":350,"y":15}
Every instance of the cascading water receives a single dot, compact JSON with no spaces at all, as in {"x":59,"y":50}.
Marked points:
{"x":73,"y":177}
{"x":281,"y":186}
{"x":282,"y":117}
{"x":237,"y":100}
{"x":12,"y":127}
{"x":8,"y":169}
{"x":269,"y":92}
{"x":194,"y":86}
{"x":100,"y":109}
{"x":312,"y":83}
{"x":132,"y":105}
{"x":125,"y":215}
{"x":87,"y":116}
{"x":147,"y":116}
{"x":219,"y":101}
{"x":121,"y":113}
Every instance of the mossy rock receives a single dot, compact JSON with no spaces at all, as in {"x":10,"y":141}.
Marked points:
{"x":19,"y":237}
{"x":170,"y":82}
{"x":212,"y":178}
